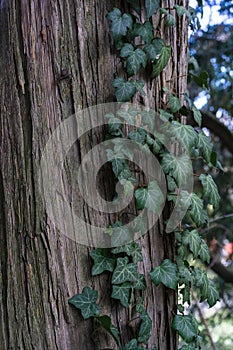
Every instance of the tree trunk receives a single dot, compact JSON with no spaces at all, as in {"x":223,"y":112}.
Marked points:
{"x":56,"y":58}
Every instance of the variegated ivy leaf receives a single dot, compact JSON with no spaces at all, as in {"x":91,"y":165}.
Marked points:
{"x":193,"y":239}
{"x":166,"y":273}
{"x":186,"y":326}
{"x":145,"y":326}
{"x":150,"y":197}
{"x":101,"y":262}
{"x":120,"y":23}
{"x":185,"y":134}
{"x":134,"y":58}
{"x":179,"y":167}
{"x":151,"y":7}
{"x":145,"y":31}
{"x":210,"y":189}
{"x":196,"y":210}
{"x":162,"y":61}
{"x":124,"y":271}
{"x":122,"y":292}
{"x":131,"y":249}
{"x":206,"y":146}
{"x":86,"y":302}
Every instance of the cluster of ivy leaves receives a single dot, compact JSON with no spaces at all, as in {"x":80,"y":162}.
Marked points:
{"x":122,"y":261}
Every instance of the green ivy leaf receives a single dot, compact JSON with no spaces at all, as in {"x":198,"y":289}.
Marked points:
{"x":151,"y":7}
{"x":114,"y":125}
{"x":165,"y":116}
{"x":197,"y":115}
{"x":201,"y":281}
{"x":139,"y":85}
{"x":186,"y":134}
{"x":122,"y":292}
{"x":140,"y":284}
{"x":174,"y":103}
{"x":179,"y":167}
{"x":166,"y":273}
{"x":170,"y":20}
{"x":125,"y":90}
{"x":120,"y":23}
{"x":162,"y":61}
{"x":106,"y":323}
{"x":213,"y":295}
{"x":171,"y":184}
{"x":201,"y":80}
{"x":154,"y":49}
{"x":145,"y":326}
{"x":138,"y":136}
{"x":124,"y":271}
{"x":86,"y":302}
{"x":186,"y":326}
{"x":151,"y":197}
{"x":196,"y":210}
{"x":132,"y":345}
{"x":134,"y":58}
{"x":131,"y":249}
{"x":188,"y":347}
{"x":181,"y":10}
{"x":101,"y":262}
{"x":145,"y":31}
{"x":204,"y":252}
{"x":210,"y":189}
{"x":192,"y":239}
{"x":205,"y":144}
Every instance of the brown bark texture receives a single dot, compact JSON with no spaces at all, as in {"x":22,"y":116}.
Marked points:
{"x":57,"y":56}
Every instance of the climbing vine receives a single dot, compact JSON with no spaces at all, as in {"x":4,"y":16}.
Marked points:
{"x":140,"y":50}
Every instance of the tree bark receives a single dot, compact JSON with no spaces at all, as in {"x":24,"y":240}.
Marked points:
{"x":58,"y":57}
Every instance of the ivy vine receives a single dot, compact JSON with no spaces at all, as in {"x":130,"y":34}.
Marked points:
{"x":122,"y":261}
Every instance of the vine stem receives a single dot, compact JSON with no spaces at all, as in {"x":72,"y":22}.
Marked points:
{"x":222,"y":217}
{"x":204,"y":321}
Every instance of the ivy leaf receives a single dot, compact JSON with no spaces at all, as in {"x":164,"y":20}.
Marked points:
{"x":205,"y":144}
{"x":132,"y":345}
{"x":145,"y":31}
{"x":101,"y":262}
{"x":210,"y":189}
{"x":86,"y":302}
{"x":196,"y":210}
{"x":213,"y":295}
{"x":118,"y":166}
{"x":162,"y":61}
{"x":145,"y":326}
{"x":120,"y":23}
{"x":138,"y":136}
{"x":150,"y":197}
{"x":174,"y":103}
{"x":134,"y":58}
{"x":124,"y":271}
{"x":186,"y":134}
{"x":179,"y":167}
{"x":186,"y":326}
{"x":154,"y":49}
{"x":139,"y":85}
{"x":122,"y":292}
{"x":151,"y":7}
{"x":106,"y":323}
{"x":204,"y":252}
{"x":188,"y":347}
{"x":131,"y":249}
{"x":166,"y":273}
{"x":165,"y":116}
{"x":114,"y":125}
{"x":140,"y":284}
{"x":192,"y":239}
{"x":197,"y":115}
{"x":181,"y":10}
{"x":170,"y":20}
{"x":201,"y":281}
{"x":125,"y":90}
